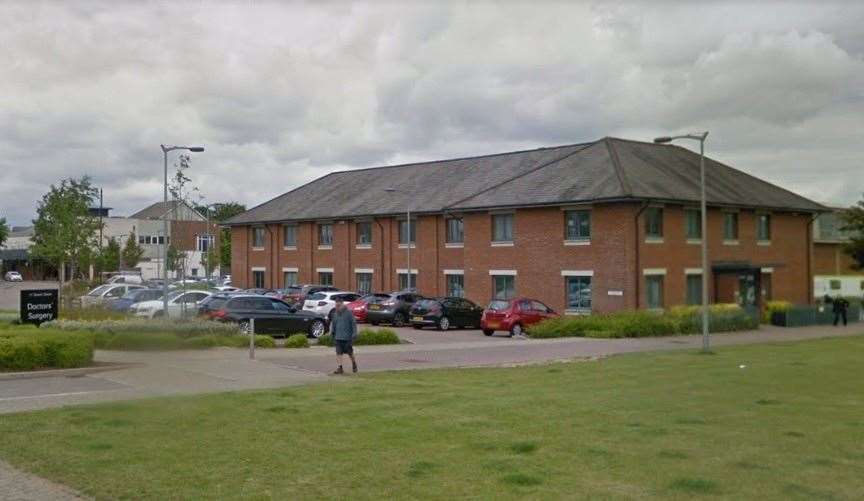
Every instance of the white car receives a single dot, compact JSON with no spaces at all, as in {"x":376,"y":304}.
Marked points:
{"x":13,"y":276}
{"x":180,"y":304}
{"x":106,"y":293}
{"x":324,"y":302}
{"x":124,"y":278}
{"x":226,"y":288}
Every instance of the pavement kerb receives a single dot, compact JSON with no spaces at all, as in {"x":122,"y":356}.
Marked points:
{"x":76,"y":372}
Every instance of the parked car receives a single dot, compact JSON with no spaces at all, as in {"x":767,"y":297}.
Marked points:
{"x":514,"y":315}
{"x":324,"y":302}
{"x":210,"y":304}
{"x":180,"y":303}
{"x":290,"y":294}
{"x":258,"y":291}
{"x":135,"y":296}
{"x":225,"y":288}
{"x":445,"y":312}
{"x":272,"y":316}
{"x":358,"y":306}
{"x":309,"y":289}
{"x":13,"y":276}
{"x":105,"y":294}
{"x":125,"y":278}
{"x":392,"y":309}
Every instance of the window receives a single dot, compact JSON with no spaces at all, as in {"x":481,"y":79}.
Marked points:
{"x":258,"y":237}
{"x":456,"y":285}
{"x":578,"y":294}
{"x":289,"y":235}
{"x":763,"y":229}
{"x":203,"y":243}
{"x":654,"y":222}
{"x":147,"y":239}
{"x":455,"y":230}
{"x":694,"y":289}
{"x":160,"y":240}
{"x":403,"y":281}
{"x":143,"y":239}
{"x":502,"y":227}
{"x":325,"y":277}
{"x":654,"y":290}
{"x":577,"y":225}
{"x":403,"y":231}
{"x":364,"y":283}
{"x":258,"y":278}
{"x":503,"y":287}
{"x":693,"y":224}
{"x":289,"y":278}
{"x":364,"y":233}
{"x":730,"y":226}
{"x":194,"y":272}
{"x":835,"y":285}
{"x":325,"y":234}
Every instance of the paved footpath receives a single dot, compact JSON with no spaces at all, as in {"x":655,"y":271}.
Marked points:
{"x":15,"y":485}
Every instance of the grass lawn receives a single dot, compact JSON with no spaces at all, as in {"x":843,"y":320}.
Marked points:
{"x":790,"y":425}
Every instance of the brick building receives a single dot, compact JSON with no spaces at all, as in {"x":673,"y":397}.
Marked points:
{"x":602,"y":226}
{"x":833,"y":271}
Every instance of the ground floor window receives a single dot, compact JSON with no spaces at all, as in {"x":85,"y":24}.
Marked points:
{"x":694,"y":289}
{"x":654,"y":291}
{"x":364,"y":283}
{"x":503,"y":287}
{"x":289,"y":278}
{"x":456,"y":285}
{"x":578,"y":294}
{"x":325,"y":277}
{"x":403,"y":281}
{"x":258,"y":278}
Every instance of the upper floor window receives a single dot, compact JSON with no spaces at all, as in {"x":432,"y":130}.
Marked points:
{"x":364,"y":233}
{"x":763,"y":229}
{"x":455,"y":230}
{"x":204,"y":243}
{"x":693,"y":223}
{"x":325,"y":234}
{"x":406,"y":226}
{"x":577,"y":225}
{"x":654,"y":222}
{"x":289,"y":238}
{"x":730,"y":226}
{"x":502,"y":227}
{"x":258,"y":236}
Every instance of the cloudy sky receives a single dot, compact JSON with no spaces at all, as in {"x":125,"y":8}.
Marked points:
{"x":282,"y":94}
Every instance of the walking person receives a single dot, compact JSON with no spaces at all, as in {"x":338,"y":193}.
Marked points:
{"x":344,"y":330}
{"x":840,"y":307}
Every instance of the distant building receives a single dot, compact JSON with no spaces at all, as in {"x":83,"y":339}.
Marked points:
{"x":832,"y":266}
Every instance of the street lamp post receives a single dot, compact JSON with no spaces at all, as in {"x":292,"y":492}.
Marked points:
{"x":706,"y":339}
{"x":165,"y":150}
{"x":408,"y":222}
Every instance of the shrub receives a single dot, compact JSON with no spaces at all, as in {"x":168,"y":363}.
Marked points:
{"x":297,"y":341}
{"x":91,"y":313}
{"x":8,"y":317}
{"x":34,"y":350}
{"x":181,"y":328}
{"x":326,"y":340}
{"x":138,"y":341}
{"x":376,"y":336}
{"x":772,"y":307}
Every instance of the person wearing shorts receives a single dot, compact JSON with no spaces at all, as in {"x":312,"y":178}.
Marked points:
{"x":344,"y":330}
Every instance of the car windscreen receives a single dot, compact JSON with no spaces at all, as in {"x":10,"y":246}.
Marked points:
{"x":499,"y":305}
{"x":318,"y":296}
{"x":378,"y":298}
{"x":98,"y":291}
{"x":216,"y":302}
{"x":428,"y":303}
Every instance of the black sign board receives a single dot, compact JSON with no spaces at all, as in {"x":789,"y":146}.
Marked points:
{"x":38,"y":305}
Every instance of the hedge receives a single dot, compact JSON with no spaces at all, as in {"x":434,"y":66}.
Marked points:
{"x":137,"y":341}
{"x":366,"y":337}
{"x":677,"y":321}
{"x":181,"y":328}
{"x":297,"y":341}
{"x":91,"y":313}
{"x":28,"y":350}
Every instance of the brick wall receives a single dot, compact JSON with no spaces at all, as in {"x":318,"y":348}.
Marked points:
{"x":539,"y":254}
{"x":830,"y":259}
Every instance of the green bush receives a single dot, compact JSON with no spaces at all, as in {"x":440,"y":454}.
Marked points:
{"x":774,"y":306}
{"x":9,"y":318}
{"x":33,"y":350}
{"x":297,"y":341}
{"x":366,"y":337}
{"x":91,"y":313}
{"x":326,"y":340}
{"x":138,"y":341}
{"x":180,"y":328}
{"x":678,"y":320}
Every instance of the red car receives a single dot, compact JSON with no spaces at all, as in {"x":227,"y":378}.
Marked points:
{"x":358,"y":307}
{"x":514,"y":315}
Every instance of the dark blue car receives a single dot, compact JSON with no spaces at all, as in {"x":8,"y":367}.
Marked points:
{"x":135,"y":296}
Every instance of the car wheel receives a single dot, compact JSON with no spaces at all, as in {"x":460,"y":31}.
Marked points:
{"x":516,"y":330}
{"x":417,"y":327}
{"x":398,"y":320}
{"x":488,"y":332}
{"x":443,"y":324}
{"x":245,"y":327}
{"x":317,"y":328}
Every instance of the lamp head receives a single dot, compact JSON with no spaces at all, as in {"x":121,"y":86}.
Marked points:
{"x":662,"y":140}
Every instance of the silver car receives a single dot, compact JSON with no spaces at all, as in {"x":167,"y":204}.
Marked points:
{"x":105,"y":294}
{"x":13,"y":276}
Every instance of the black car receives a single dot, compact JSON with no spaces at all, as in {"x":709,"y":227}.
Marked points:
{"x":135,"y":296}
{"x":391,"y":308}
{"x":272,"y":316}
{"x":211,"y":304}
{"x":445,"y":313}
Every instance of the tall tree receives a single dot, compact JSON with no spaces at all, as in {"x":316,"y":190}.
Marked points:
{"x":109,"y":259}
{"x":853,"y":218}
{"x":4,"y":231}
{"x":64,"y":230}
{"x":221,"y":213}
{"x":132,"y":252}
